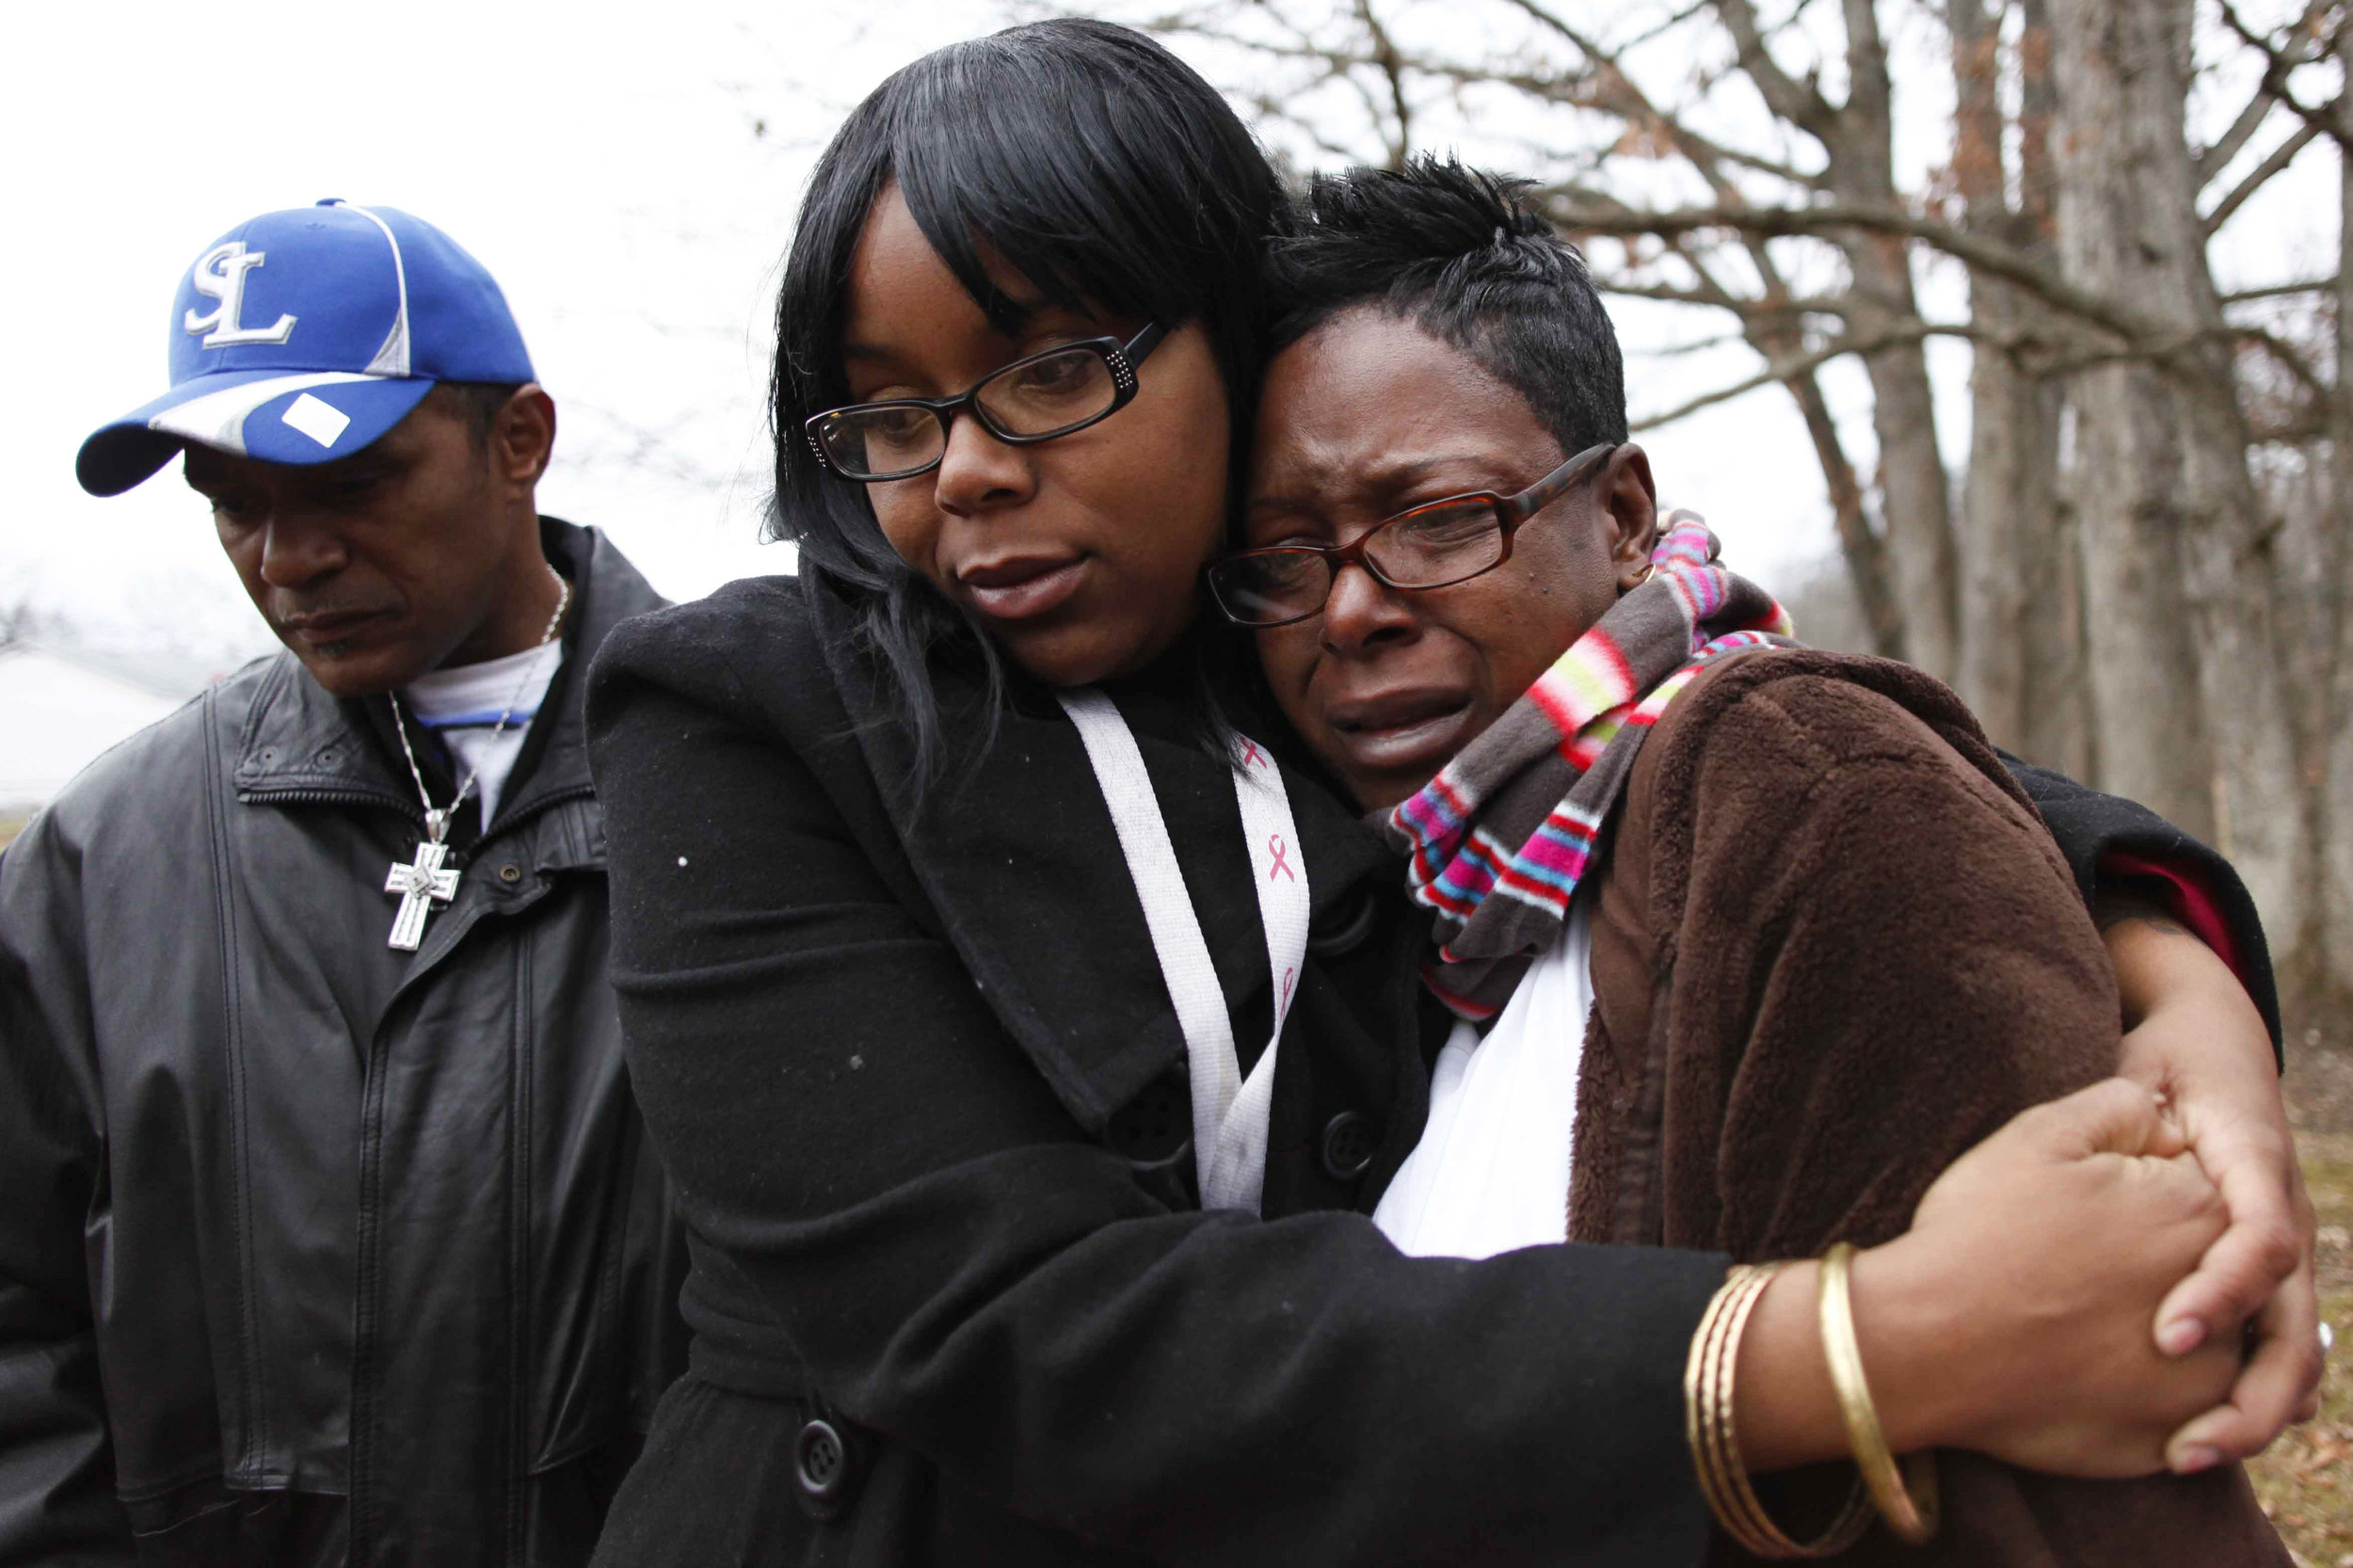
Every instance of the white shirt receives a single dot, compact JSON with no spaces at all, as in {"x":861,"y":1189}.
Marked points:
{"x":463,"y":705}
{"x":1491,"y":1173}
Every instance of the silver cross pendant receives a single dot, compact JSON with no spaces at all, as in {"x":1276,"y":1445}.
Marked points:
{"x":420,"y":885}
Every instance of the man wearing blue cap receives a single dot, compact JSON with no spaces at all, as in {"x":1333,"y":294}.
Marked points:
{"x":331,"y":1234}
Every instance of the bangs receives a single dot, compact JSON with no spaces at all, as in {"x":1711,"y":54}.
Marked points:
{"x":1085,"y":158}
{"x":1101,"y":186}
{"x":1081,"y":156}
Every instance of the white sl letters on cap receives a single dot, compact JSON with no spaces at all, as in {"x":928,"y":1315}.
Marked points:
{"x":318,"y":419}
{"x":220,"y":275}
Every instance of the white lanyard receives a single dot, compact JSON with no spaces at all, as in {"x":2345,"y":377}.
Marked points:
{"x":1229,"y":1115}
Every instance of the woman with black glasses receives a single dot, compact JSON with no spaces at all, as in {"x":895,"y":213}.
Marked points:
{"x":1028,"y":1046}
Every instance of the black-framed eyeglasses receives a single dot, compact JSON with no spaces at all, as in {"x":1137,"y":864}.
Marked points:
{"x":1434,"y":545}
{"x":1050,"y":393}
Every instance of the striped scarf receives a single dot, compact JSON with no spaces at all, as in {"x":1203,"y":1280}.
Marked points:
{"x":1499,"y":838}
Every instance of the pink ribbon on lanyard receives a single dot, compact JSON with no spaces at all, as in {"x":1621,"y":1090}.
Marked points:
{"x":1229,"y":1112}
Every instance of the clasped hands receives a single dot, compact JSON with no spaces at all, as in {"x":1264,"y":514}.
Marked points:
{"x":2015,"y":1315}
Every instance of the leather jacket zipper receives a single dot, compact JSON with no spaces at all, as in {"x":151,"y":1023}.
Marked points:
{"x":312,"y":796}
{"x":333,"y":797}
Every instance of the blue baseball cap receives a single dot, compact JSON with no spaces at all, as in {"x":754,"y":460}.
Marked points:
{"x":303,"y":336}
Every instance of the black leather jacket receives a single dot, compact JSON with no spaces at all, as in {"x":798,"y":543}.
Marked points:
{"x":311,"y":1251}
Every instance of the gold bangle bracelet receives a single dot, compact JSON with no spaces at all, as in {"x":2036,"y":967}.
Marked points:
{"x":1702,"y":1421}
{"x":1719,"y":1453}
{"x":1709,"y":1377}
{"x":1911,"y":1513}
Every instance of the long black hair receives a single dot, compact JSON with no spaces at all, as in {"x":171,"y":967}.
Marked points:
{"x":1101,"y":168}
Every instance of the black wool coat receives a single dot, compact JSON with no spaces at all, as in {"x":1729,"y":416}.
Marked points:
{"x":922,"y":1095}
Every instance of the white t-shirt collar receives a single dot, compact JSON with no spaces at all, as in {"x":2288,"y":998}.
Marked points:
{"x":462,"y":705}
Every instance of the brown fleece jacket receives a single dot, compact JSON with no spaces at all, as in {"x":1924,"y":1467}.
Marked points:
{"x":1834,"y":948}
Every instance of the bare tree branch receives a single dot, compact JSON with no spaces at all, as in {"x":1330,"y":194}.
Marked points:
{"x":1387,"y":60}
{"x":2277,"y":291}
{"x":1739,"y":304}
{"x":2280,"y":158}
{"x":1800,"y":104}
{"x":1712,"y":286}
{"x":1611,"y":89}
{"x":1869,"y":554}
{"x":1697,"y":345}
{"x":1666,"y":24}
{"x":2212,"y":160}
{"x":2165,"y":352}
{"x":1617,"y":95}
{"x":1984,"y":255}
{"x":1330,"y":65}
{"x":2289,"y":356}
{"x":1869,"y":569}
{"x":2293,"y":430}
{"x":1791,"y":367}
{"x":2281,"y":63}
{"x":1806,"y":363}
{"x":1273,"y":111}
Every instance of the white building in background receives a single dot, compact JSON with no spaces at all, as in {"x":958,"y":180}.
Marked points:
{"x":60,"y":708}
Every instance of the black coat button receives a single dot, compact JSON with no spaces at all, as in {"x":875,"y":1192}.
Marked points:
{"x":1348,"y":1143}
{"x":822,"y":1468}
{"x":1345,"y":927}
{"x":1156,"y":1128}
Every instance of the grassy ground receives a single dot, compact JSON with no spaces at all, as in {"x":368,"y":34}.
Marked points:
{"x":9,"y":828}
{"x":2306,"y":1480}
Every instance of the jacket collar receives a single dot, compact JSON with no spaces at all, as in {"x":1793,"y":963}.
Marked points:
{"x":1017,"y":852}
{"x":299,"y":740}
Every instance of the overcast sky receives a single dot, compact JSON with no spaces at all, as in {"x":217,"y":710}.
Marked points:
{"x":630,"y":175}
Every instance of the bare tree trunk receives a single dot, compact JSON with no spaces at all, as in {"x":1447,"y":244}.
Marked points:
{"x":2020,"y":670}
{"x":2060,"y":732}
{"x":2050,"y":624}
{"x":1912,"y":480}
{"x":1915,"y":487}
{"x":2017,"y":669}
{"x":2124,"y":480}
{"x":1998,"y":521}
{"x":2186,"y":681}
{"x":1868,"y":570}
{"x":1858,"y":138}
{"x":2058,"y":719}
{"x":1865,"y":553}
{"x":2260,"y":818}
{"x":2294,"y":487}
{"x":2335,"y":807}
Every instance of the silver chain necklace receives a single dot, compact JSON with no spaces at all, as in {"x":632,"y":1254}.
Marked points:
{"x":423,"y":883}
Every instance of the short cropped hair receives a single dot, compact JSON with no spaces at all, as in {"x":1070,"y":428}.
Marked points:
{"x":1466,"y":257}
{"x":478,"y":403}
